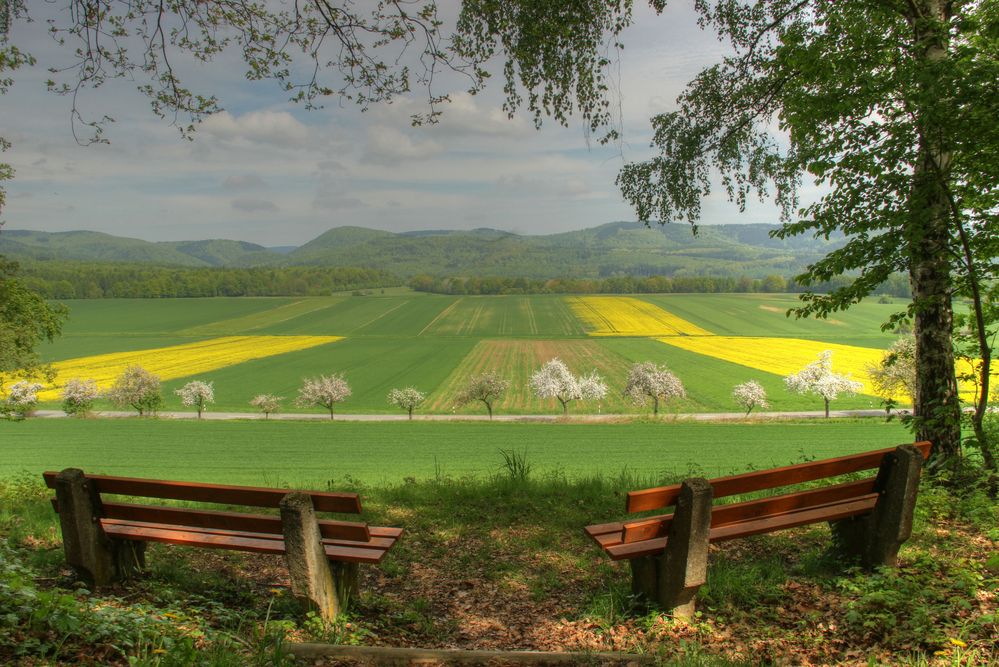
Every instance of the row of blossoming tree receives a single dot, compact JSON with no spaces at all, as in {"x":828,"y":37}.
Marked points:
{"x":647,"y":382}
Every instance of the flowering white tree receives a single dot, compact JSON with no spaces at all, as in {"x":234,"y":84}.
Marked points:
{"x":750,"y":395}
{"x":267,"y":403}
{"x":486,"y":388}
{"x":896,"y":373}
{"x":407,"y":399}
{"x":78,"y":396}
{"x":138,"y":388}
{"x":325,"y":391}
{"x":818,"y":378}
{"x":648,"y":380}
{"x":555,"y":380}
{"x":197,"y":394}
{"x":22,"y":397}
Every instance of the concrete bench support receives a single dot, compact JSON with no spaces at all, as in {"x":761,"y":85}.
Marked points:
{"x":88,"y":550}
{"x":875,"y":539}
{"x":318,"y":585}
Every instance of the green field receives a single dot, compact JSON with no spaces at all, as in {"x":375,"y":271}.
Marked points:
{"x":311,"y":453}
{"x":435,"y":342}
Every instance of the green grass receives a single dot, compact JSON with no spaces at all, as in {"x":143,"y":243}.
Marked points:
{"x":311,"y":453}
{"x":371,"y":366}
{"x":369,"y":315}
{"x":764,"y":315}
{"x":506,"y":316}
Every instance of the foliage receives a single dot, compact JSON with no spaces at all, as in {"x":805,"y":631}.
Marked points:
{"x":26,"y":319}
{"x":267,"y":403}
{"x":325,"y":391}
{"x":407,"y":399}
{"x":555,"y":380}
{"x":486,"y":388}
{"x":817,"y":378}
{"x":138,"y":388}
{"x":21,"y":399}
{"x":650,"y":380}
{"x":197,"y":394}
{"x":78,"y":395}
{"x":896,"y":373}
{"x":750,"y":395}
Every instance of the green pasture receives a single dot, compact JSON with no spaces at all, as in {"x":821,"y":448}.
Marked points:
{"x":435,"y":342}
{"x":765,"y":315}
{"x":309,"y":454}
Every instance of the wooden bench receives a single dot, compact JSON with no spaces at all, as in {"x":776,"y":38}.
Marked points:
{"x":104,"y":540}
{"x":870,"y":518}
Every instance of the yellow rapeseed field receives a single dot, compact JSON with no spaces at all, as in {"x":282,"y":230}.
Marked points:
{"x":179,"y":360}
{"x":783,"y":356}
{"x":627,"y":316}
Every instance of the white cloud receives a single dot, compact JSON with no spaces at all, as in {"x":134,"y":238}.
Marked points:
{"x":387,"y":145}
{"x":251,"y":205}
{"x":274,"y":128}
{"x":243,"y":182}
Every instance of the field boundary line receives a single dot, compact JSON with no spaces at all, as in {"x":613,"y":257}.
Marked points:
{"x":440,"y":315}
{"x":372,"y":321}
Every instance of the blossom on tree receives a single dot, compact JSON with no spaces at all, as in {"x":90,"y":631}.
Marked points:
{"x":750,"y":395}
{"x":648,"y":380}
{"x":817,"y":378}
{"x":137,"y":388}
{"x":78,"y":396}
{"x":555,"y":380}
{"x":407,"y":399}
{"x":22,"y":397}
{"x":486,"y":388}
{"x":267,"y":403}
{"x":896,"y":373}
{"x":324,"y":391}
{"x":197,"y":394}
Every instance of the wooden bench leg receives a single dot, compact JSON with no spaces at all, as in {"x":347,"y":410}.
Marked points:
{"x":876,"y":538}
{"x":88,"y":549}
{"x":683,"y":568}
{"x":313,"y":581}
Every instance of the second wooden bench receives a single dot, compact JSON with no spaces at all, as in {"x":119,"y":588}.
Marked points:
{"x":104,"y":540}
{"x":870,"y":518}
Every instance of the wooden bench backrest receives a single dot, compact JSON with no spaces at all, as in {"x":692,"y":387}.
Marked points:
{"x":223,"y":494}
{"x":323,"y":501}
{"x":759,"y":480}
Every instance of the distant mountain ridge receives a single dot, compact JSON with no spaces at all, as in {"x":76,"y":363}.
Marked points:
{"x":614,"y":248}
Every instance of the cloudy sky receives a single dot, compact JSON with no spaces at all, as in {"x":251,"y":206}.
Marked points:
{"x":267,"y":171}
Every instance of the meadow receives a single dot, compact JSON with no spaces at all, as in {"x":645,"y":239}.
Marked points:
{"x":435,"y":342}
{"x":310,"y":454}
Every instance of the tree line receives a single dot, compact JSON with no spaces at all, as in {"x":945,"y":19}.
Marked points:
{"x":71,"y":280}
{"x":896,"y":285}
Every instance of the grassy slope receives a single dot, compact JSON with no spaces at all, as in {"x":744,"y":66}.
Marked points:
{"x":310,"y":453}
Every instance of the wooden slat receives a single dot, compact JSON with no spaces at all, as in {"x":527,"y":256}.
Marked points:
{"x":266,"y":544}
{"x":636,"y":531}
{"x":793,"y":519}
{"x":323,"y":501}
{"x":769,"y":524}
{"x":664,"y":496}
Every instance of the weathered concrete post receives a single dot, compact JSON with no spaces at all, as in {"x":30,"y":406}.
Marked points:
{"x":891,"y":522}
{"x":683,"y":568}
{"x":874,"y":539}
{"x":88,"y":549}
{"x":312,"y":579}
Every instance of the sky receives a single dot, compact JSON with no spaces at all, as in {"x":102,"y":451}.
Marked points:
{"x":269,"y":171}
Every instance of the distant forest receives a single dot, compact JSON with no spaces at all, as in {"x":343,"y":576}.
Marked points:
{"x":78,"y":280}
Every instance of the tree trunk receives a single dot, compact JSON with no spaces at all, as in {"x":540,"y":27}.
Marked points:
{"x":489,"y":407}
{"x":936,"y":409}
{"x":827,"y":407}
{"x":655,"y":405}
{"x":565,"y":407}
{"x":411,"y":414}
{"x":331,"y":413}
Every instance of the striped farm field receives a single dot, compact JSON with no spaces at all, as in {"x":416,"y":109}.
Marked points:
{"x":628,"y":316}
{"x":514,"y":316}
{"x":180,"y":360}
{"x":516,"y":360}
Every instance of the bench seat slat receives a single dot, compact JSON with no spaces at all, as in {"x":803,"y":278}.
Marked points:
{"x":664,"y":496}
{"x":792,"y":519}
{"x":261,"y":543}
{"x":225,"y":494}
